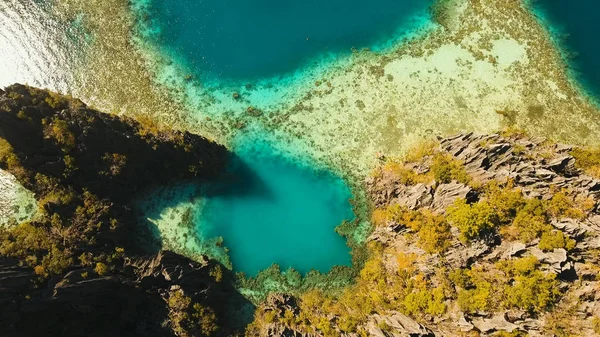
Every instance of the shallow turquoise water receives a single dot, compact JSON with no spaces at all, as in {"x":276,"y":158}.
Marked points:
{"x":576,"y":27}
{"x":268,"y":208}
{"x":261,"y":38}
{"x":271,"y":210}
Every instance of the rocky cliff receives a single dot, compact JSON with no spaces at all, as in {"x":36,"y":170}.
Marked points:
{"x":77,"y":268}
{"x":475,"y":235}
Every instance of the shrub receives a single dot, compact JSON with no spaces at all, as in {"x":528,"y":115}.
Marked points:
{"x":555,"y":239}
{"x":531,"y":289}
{"x":446,"y":169}
{"x":506,"y":201}
{"x":534,"y":292}
{"x":404,"y":175}
{"x":382,"y":215}
{"x":484,"y":290}
{"x":115,"y":162}
{"x":425,"y":300}
{"x":433,"y":232}
{"x":56,"y":261}
{"x":7,"y":155}
{"x":70,"y":165}
{"x":588,"y":160}
{"x":101,"y":268}
{"x":472,"y":220}
{"x":529,"y":223}
{"x":217,"y":273}
{"x":563,"y":206}
{"x":60,"y":132}
{"x":477,"y":299}
{"x":422,"y":150}
{"x":205,"y":319}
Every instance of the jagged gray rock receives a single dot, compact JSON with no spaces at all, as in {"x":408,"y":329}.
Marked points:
{"x":446,"y":194}
{"x":399,"y":325}
{"x":496,"y":323}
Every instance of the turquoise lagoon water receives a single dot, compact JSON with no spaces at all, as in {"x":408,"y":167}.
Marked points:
{"x":272,"y":210}
{"x":274,"y":206}
{"x":242,"y":39}
{"x":576,"y":27}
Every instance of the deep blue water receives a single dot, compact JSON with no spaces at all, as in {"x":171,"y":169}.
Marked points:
{"x":576,"y":26}
{"x":261,"y":38}
{"x":271,"y":210}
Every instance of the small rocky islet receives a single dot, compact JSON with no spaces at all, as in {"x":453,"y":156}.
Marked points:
{"x":473,"y":235}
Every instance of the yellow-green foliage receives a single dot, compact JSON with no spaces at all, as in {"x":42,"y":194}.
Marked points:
{"x":563,"y":206}
{"x":424,"y":300}
{"x":205,"y":318}
{"x":588,"y":160}
{"x":433,"y":231}
{"x":36,"y":246}
{"x":59,"y":130}
{"x":472,"y":219}
{"x":5,"y":149}
{"x":528,"y":288}
{"x":506,"y":201}
{"x":70,"y":165}
{"x":67,"y":224}
{"x":555,"y":239}
{"x":529,"y":223}
{"x":7,"y":155}
{"x":115,"y":162}
{"x":482,"y":294}
{"x":404,"y":175}
{"x":382,"y":215}
{"x":101,"y":268}
{"x":422,"y":150}
{"x":217,"y":273}
{"x":516,"y":283}
{"x":377,"y":290}
{"x":596,"y":324}
{"x":446,"y":169}
{"x":189,"y":319}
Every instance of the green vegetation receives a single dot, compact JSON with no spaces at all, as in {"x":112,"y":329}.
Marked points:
{"x":393,"y":280}
{"x":473,"y":220}
{"x":446,"y":169}
{"x":377,"y":289}
{"x":433,"y":231}
{"x":217,"y":273}
{"x":588,"y":159}
{"x":58,"y":130}
{"x":114,"y":162}
{"x":443,"y":167}
{"x":555,"y":239}
{"x":101,"y":269}
{"x":510,"y":284}
{"x":508,"y":212}
{"x":187,"y":319}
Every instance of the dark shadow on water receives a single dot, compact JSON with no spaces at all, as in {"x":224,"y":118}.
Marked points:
{"x":239,"y":180}
{"x":235,"y":312}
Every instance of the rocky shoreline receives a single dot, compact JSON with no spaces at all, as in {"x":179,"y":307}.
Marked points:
{"x":78,"y":268}
{"x":473,"y":235}
{"x":530,"y":268}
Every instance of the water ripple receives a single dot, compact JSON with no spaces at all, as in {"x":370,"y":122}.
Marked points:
{"x":35,"y":47}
